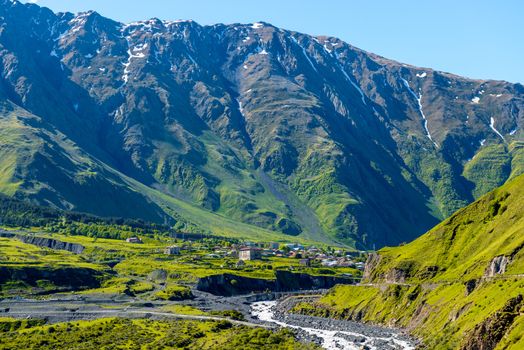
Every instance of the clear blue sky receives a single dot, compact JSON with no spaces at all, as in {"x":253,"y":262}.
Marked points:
{"x":478,"y":39}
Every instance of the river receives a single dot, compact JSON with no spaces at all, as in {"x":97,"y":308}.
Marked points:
{"x":338,"y":339}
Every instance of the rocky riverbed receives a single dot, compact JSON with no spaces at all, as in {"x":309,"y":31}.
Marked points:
{"x":332,"y":334}
{"x":259,"y":310}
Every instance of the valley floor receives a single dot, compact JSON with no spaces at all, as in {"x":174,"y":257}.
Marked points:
{"x":272,"y":315}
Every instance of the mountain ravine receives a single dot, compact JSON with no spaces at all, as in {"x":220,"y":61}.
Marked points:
{"x":243,"y":129}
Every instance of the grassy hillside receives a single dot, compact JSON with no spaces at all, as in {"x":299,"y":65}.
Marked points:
{"x":15,"y":253}
{"x":458,"y":286}
{"x":143,"y":334}
{"x":462,"y":247}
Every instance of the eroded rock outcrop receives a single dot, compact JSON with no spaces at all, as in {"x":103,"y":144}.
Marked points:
{"x":497,"y":266}
{"x":228,"y":284}
{"x":401,"y":272}
{"x":51,"y":243}
{"x":488,"y":334}
{"x":70,"y":277}
{"x":470,"y":286}
{"x":372,"y":261}
{"x":6,"y":234}
{"x":285,"y":281}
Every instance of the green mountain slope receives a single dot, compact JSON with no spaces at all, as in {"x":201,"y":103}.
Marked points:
{"x":64,"y":171}
{"x":51,"y":169}
{"x":463,"y":246}
{"x":460,"y":285}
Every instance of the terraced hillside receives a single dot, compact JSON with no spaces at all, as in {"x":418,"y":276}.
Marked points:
{"x":244,"y":130}
{"x":459,"y":286}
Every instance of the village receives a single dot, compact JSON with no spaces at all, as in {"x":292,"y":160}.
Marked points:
{"x":242,"y":252}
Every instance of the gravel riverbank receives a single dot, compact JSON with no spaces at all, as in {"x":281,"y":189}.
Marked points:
{"x":258,"y":309}
{"x":332,"y":334}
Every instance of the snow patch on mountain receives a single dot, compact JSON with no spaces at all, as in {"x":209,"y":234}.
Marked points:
{"x":130,"y":55}
{"x":326,"y":47}
{"x":145,"y":26}
{"x":79,"y":22}
{"x":304,"y":52}
{"x":168,"y":23}
{"x":362,"y":96}
{"x":419,"y":101}
{"x":140,"y":47}
{"x":492,"y":126}
{"x":241,"y":109}
{"x":191,"y":59}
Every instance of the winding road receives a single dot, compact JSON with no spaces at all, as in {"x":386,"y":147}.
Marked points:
{"x":79,"y":308}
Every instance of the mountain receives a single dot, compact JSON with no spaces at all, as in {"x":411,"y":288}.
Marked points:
{"x":459,"y":286}
{"x":243,"y":130}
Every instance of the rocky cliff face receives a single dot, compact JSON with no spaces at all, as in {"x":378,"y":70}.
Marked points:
{"x":67,"y":277}
{"x":50,"y":243}
{"x":229,"y":285}
{"x":285,"y":281}
{"x":487,"y":335}
{"x":279,"y":130}
{"x":372,"y":261}
{"x":497,"y":266}
{"x":44,"y":242}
